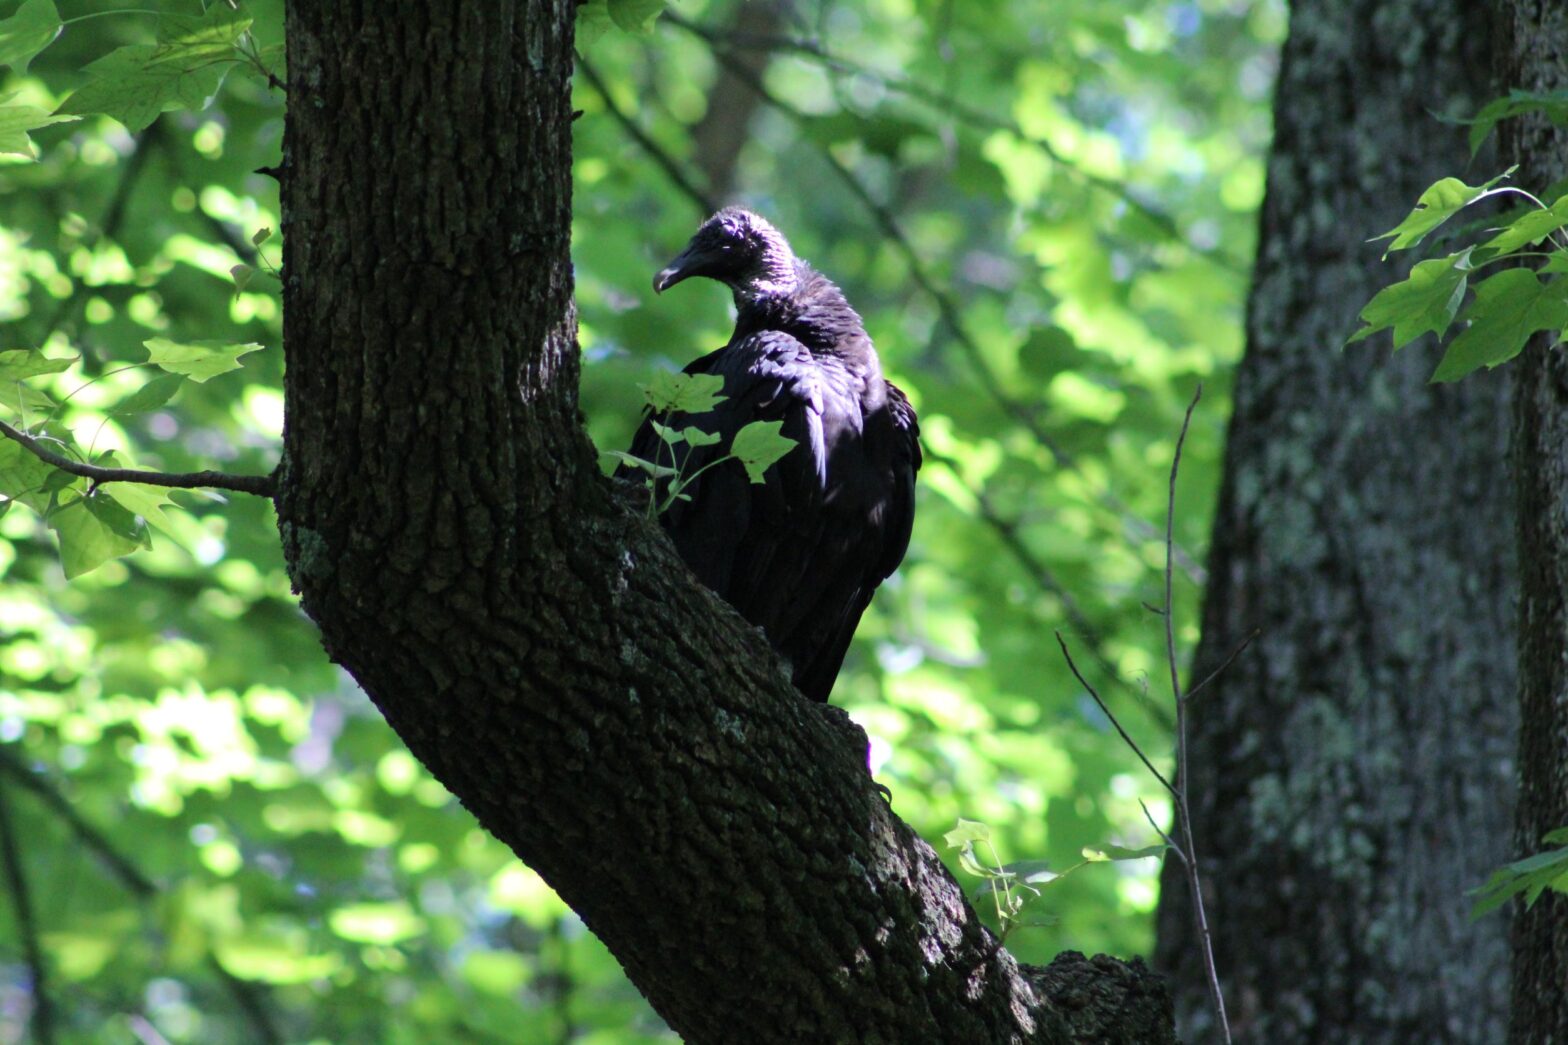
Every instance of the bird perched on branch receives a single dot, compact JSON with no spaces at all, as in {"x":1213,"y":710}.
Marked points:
{"x":800,"y":553}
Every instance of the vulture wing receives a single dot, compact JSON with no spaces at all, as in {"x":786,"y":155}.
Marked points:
{"x":800,"y":553}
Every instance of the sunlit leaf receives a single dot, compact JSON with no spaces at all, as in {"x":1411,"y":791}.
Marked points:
{"x":1437,"y":204}
{"x":197,"y":360}
{"x":183,"y":70}
{"x":21,"y":363}
{"x":86,"y":541}
{"x":635,"y":16}
{"x":17,"y":120}
{"x":1508,"y":308}
{"x":1426,"y":301}
{"x":758,"y":445}
{"x":682,"y":393}
{"x":966,"y":833}
{"x":32,"y":28}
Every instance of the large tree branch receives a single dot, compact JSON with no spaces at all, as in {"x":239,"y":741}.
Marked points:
{"x":537,"y":643}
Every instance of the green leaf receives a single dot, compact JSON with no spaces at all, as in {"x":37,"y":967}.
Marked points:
{"x":683,"y":393}
{"x":17,"y":120}
{"x":758,"y":445}
{"x":1437,"y":204}
{"x":658,"y":471}
{"x":24,"y":400}
{"x":149,"y":397}
{"x":697,"y":437}
{"x":1556,"y":837}
{"x":242,"y":275}
{"x":183,"y":70}
{"x":143,"y":500}
{"x":117,"y":518}
{"x":668,"y":434}
{"x":86,"y":541}
{"x":1554,"y":104}
{"x":18,"y":364}
{"x":1529,"y":877}
{"x":1530,"y":227}
{"x":966,"y":833}
{"x":636,"y":16}
{"x":197,"y":360}
{"x":32,"y":28}
{"x":1508,"y":308}
{"x":23,"y":475}
{"x":1427,"y":300}
{"x":261,"y":236}
{"x":593,"y":21}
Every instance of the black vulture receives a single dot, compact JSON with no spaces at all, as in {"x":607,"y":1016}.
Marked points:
{"x":800,"y":553}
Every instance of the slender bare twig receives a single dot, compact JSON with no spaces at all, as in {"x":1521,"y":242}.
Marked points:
{"x":1114,"y":721}
{"x":1170,"y":843}
{"x":26,"y":928}
{"x":946,"y":102}
{"x":666,"y":162}
{"x":1192,"y":693}
{"x":1183,"y":810}
{"x":260,"y":485}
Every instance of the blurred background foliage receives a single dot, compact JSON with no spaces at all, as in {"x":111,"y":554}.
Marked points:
{"x":1045,"y":212}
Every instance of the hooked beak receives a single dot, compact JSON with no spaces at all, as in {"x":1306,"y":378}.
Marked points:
{"x":687,"y":263}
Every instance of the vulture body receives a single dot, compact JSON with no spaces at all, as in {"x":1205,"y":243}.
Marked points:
{"x":799,"y":554}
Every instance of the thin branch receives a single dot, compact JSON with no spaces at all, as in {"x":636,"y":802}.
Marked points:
{"x":666,"y":162}
{"x":27,"y":929}
{"x":91,"y":837}
{"x":250,"y":1000}
{"x":1170,"y":843}
{"x":955,"y":107}
{"x":1183,"y":809}
{"x":1129,"y":740}
{"x":946,"y":309}
{"x":1192,"y":693}
{"x":1008,"y":531}
{"x":260,"y":485}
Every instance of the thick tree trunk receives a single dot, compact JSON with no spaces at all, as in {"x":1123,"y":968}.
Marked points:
{"x":1532,"y":53}
{"x":536,"y":643}
{"x":1351,"y":772}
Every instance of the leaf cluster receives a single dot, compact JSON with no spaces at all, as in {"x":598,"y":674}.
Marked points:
{"x":756,"y":446}
{"x":1507,"y":307}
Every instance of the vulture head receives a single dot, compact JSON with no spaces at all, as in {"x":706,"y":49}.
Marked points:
{"x":739,"y":249}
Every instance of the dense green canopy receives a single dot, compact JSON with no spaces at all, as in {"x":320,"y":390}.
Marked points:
{"x":1044,"y":212}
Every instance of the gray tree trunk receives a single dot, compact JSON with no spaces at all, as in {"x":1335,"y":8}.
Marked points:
{"x":1352,"y":772}
{"x":537,"y":643}
{"x":1532,"y":53}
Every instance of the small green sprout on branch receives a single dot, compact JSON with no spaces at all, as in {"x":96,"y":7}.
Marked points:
{"x":756,"y":446}
{"x":1013,"y":887}
{"x":1509,"y":306}
{"x":1529,"y":877}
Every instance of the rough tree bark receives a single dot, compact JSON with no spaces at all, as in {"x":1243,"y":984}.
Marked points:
{"x":1351,"y":772}
{"x":537,"y":643}
{"x":1532,"y":53}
